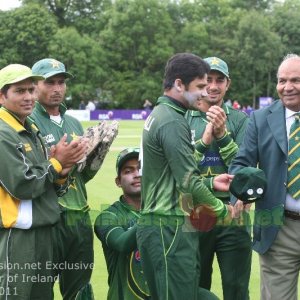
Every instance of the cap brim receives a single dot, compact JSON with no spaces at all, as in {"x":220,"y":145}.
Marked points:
{"x":125,"y":158}
{"x":24,"y":77}
{"x":216,"y":69}
{"x":50,"y":74}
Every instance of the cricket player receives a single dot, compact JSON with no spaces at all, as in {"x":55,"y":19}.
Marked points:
{"x":31,"y":178}
{"x":171,"y":184}
{"x":218,"y":131}
{"x":73,"y":235}
{"x":116,"y":229}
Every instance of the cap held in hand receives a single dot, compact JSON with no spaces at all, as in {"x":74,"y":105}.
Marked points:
{"x":249,"y":184}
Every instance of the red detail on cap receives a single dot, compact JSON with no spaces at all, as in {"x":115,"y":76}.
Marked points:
{"x":203,"y":218}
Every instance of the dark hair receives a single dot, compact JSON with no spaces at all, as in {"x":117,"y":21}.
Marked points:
{"x":5,"y":89}
{"x":184,"y":66}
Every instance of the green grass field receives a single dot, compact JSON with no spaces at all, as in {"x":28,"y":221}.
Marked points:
{"x":102,"y":191}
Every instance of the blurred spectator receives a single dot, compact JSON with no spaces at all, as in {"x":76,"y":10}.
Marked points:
{"x":82,"y":105}
{"x":236,"y":104}
{"x":91,"y":105}
{"x":147,"y":105}
{"x":228,"y":103}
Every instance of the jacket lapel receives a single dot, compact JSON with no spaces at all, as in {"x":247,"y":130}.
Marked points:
{"x":276,"y":121}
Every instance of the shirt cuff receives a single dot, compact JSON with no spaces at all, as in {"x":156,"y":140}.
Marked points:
{"x":201,"y":146}
{"x":56,"y":165}
{"x":224,"y":140}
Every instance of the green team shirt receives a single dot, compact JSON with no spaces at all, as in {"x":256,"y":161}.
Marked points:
{"x":214,"y":159}
{"x":116,"y":229}
{"x":171,"y":181}
{"x":76,"y":197}
{"x":28,"y":195}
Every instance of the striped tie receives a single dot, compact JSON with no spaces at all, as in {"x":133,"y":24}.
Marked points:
{"x":293,"y":187}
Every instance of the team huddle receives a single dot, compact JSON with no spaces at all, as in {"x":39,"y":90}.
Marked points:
{"x":186,"y":193}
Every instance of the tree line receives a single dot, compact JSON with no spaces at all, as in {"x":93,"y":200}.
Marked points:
{"x":117,"y":49}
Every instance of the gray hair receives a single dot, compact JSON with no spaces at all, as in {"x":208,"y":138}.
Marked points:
{"x":290,"y":56}
{"x":287,"y":57}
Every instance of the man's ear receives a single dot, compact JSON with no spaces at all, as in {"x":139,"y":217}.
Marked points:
{"x":117,"y":181}
{"x":178,"y":85}
{"x":2,"y":96}
{"x":228,"y":84}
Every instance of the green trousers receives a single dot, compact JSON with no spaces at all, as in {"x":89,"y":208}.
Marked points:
{"x":73,"y":254}
{"x":169,"y":258}
{"x":25,"y":264}
{"x":232,"y":246}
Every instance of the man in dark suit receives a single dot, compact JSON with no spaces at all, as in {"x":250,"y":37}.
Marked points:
{"x":276,"y":232}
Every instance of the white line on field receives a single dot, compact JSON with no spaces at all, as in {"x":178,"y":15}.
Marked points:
{"x":117,"y":148}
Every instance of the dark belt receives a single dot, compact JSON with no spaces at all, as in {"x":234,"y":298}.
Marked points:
{"x":292,"y":214}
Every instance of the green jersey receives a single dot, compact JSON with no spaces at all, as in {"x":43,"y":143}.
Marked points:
{"x":214,"y":159}
{"x":116,"y":229}
{"x":171,"y":181}
{"x":28,"y":193}
{"x":52,"y":131}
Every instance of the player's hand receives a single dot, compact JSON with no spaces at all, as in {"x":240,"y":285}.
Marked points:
{"x":207,"y":136}
{"x":69,"y":154}
{"x":238,"y":207}
{"x":231,"y":215}
{"x":217,"y":117}
{"x":65,"y":172}
{"x":222,"y":182}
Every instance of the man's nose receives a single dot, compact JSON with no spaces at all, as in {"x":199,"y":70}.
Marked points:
{"x":288,"y":85}
{"x":28,"y":95}
{"x":212,"y":85}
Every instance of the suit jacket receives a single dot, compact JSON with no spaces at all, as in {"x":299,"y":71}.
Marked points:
{"x":265,"y":145}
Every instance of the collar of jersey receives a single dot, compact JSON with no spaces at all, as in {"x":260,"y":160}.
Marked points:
{"x":166,"y":100}
{"x":40,"y":108}
{"x":129,"y":207}
{"x":11,"y":119}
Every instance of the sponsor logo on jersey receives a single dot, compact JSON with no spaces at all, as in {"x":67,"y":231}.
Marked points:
{"x":212,"y":159}
{"x":49,"y":138}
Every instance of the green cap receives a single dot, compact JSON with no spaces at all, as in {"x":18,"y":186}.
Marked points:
{"x":249,"y":184}
{"x":125,"y":155}
{"x":49,"y":67}
{"x":218,"y":64}
{"x":15,"y":73}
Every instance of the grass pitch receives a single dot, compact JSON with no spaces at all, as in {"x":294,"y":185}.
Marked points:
{"x":102,"y":192}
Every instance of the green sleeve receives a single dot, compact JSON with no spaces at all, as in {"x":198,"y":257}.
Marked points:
{"x":109,"y":228}
{"x":22,"y":178}
{"x":184,"y":168}
{"x":122,"y":240}
{"x":227,"y":148}
{"x":87,"y":174}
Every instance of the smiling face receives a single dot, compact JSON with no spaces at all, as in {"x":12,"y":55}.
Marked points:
{"x":194,"y":92}
{"x":19,"y":99}
{"x":51,"y":92}
{"x":288,"y":83}
{"x":217,"y":87}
